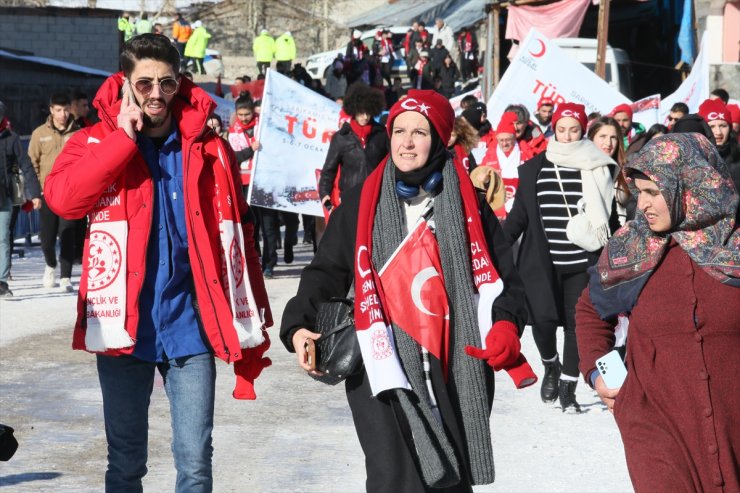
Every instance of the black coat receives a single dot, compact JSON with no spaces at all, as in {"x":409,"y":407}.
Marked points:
{"x":533,"y":261}
{"x":330,"y":274}
{"x":345,"y":151}
{"x":14,"y":160}
{"x":449,"y":76}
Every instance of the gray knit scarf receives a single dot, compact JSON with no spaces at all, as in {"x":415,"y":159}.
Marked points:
{"x":439,"y":463}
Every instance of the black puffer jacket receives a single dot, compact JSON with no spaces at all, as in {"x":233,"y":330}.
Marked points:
{"x":14,"y":160}
{"x":345,"y":151}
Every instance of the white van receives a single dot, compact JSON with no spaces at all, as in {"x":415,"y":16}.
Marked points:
{"x":618,"y":70}
{"x":318,"y":65}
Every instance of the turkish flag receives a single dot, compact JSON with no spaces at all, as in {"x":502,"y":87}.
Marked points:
{"x":414,"y":292}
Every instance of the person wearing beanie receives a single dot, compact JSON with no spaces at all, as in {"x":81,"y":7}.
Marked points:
{"x":543,"y":116}
{"x":630,"y":130}
{"x":527,"y":132}
{"x":719,"y":118}
{"x":505,"y":157}
{"x":421,"y":404}
{"x":15,"y":167}
{"x":573,"y":174}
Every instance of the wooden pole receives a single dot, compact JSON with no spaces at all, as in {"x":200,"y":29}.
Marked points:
{"x":488,"y":73}
{"x":496,"y":45}
{"x":602,"y":36}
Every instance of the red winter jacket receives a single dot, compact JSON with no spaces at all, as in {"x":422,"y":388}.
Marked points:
{"x":97,"y":155}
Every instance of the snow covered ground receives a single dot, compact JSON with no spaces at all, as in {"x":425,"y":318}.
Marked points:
{"x":296,"y":437}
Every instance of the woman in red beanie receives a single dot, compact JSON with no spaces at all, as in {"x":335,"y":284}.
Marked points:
{"x":719,"y":118}
{"x":571,"y":176}
{"x":422,"y":401}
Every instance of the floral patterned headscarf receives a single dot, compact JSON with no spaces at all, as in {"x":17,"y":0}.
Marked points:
{"x":702,"y":200}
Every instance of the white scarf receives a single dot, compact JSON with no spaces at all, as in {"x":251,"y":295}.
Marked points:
{"x":596,"y":178}
{"x":105,"y":310}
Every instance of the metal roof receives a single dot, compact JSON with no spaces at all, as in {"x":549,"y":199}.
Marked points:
{"x":73,"y":67}
{"x":456,"y":13}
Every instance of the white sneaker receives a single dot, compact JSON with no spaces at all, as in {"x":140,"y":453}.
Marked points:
{"x":50,"y":277}
{"x":65,"y":283}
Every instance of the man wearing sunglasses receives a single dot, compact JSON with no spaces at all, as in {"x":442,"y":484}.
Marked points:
{"x":171,"y":277}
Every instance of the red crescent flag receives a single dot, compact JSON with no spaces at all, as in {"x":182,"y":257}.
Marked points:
{"x":414,"y":292}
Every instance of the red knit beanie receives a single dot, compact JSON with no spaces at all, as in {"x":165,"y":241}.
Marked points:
{"x":573,"y":110}
{"x":715,"y":109}
{"x":623,"y":108}
{"x":435,"y":107}
{"x":506,"y":125}
{"x":734,"y":112}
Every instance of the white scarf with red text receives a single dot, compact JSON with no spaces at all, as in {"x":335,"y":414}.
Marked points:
{"x":105,"y":310}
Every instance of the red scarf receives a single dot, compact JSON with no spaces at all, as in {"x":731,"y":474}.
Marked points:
{"x":466,"y":43}
{"x":239,"y":127}
{"x":5,"y":123}
{"x":371,"y":321}
{"x":361,"y":131}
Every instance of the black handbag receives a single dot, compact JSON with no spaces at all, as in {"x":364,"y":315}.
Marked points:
{"x":337,"y":350}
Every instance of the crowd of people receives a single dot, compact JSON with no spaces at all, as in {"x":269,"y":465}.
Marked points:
{"x":623,"y":236}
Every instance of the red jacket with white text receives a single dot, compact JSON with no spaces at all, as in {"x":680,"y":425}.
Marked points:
{"x":96,"y":156}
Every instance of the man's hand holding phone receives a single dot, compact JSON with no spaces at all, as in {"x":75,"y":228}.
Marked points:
{"x":130,"y":118}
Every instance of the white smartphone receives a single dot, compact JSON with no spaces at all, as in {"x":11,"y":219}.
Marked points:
{"x":612,"y":369}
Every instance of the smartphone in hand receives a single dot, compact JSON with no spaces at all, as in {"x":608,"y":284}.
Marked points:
{"x":311,"y":354}
{"x":612,"y":369}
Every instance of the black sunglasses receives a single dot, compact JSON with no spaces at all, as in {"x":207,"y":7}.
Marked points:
{"x":167,"y":86}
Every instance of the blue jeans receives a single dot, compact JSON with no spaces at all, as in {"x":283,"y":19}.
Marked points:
{"x":6,"y":211}
{"x":126,"y":383}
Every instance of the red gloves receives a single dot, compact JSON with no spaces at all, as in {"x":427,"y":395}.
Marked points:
{"x":502,"y":346}
{"x":503,"y":352}
{"x":248,"y":368}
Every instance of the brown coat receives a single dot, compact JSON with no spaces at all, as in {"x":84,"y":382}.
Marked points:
{"x":47,"y":143}
{"x":679,"y":409}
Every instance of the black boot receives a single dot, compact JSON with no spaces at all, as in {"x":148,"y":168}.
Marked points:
{"x":5,"y":291}
{"x":568,"y":396}
{"x":549,"y":389}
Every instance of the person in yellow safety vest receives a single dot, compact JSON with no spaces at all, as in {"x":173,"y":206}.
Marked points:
{"x":195,"y":49}
{"x":143,"y":25}
{"x":285,"y":52}
{"x":126,"y":26}
{"x":181,"y":31}
{"x":263,"y":48}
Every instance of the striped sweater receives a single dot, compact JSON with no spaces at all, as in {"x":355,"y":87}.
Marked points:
{"x":565,"y":255}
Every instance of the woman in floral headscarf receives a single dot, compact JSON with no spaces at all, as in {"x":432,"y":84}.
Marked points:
{"x":676,"y":270}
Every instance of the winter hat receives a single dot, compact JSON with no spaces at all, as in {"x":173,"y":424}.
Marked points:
{"x":573,"y":110}
{"x":473,"y":116}
{"x":424,"y":53}
{"x":264,"y":31}
{"x":356,"y":34}
{"x":623,"y":108}
{"x":545,"y":102}
{"x":734,"y":112}
{"x":506,"y":125}
{"x":197,"y":24}
{"x":435,"y":107}
{"x":715,"y":109}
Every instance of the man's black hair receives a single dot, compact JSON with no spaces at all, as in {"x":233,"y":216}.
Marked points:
{"x":722,"y":94}
{"x":244,"y":103}
{"x":468,"y":101}
{"x":361,"y":98}
{"x":59,"y":99}
{"x":215,"y":116}
{"x":682,"y":107}
{"x":144,"y":15}
{"x":77,"y":95}
{"x":148,"y":46}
